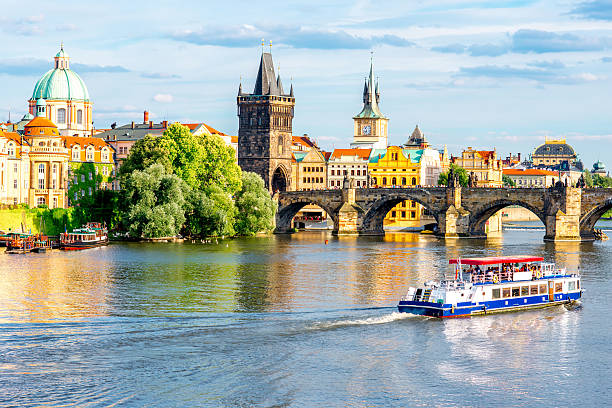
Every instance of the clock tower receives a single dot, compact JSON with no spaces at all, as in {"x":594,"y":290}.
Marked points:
{"x":370,"y":124}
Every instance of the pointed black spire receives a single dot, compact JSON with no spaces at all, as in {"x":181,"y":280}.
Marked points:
{"x":279,"y":83}
{"x":240,"y":88}
{"x":266,"y":80}
{"x":291,"y":90}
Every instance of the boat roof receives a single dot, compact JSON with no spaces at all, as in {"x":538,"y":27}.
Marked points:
{"x":492,"y":260}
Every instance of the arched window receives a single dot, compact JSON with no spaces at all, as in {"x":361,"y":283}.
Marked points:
{"x":403,"y":181}
{"x":105,"y":154}
{"x":61,"y":115}
{"x":393,"y":181}
{"x":90,"y":153}
{"x":40,"y":201}
{"x":80,"y":117}
{"x":384,"y":181}
{"x":54,"y":176}
{"x":373,"y":180}
{"x":11,"y":149}
{"x":41,"y":176}
{"x":414,"y":181}
{"x":76,"y":153}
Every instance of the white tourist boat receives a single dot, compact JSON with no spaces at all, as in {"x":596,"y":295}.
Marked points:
{"x":492,"y":285}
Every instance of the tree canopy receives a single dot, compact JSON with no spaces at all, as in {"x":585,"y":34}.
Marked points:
{"x":461,"y":173}
{"x":255,"y":207}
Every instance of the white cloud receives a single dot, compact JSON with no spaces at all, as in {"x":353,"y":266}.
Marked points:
{"x":163,"y":98}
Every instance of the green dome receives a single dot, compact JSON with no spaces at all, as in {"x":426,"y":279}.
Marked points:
{"x":62,"y":84}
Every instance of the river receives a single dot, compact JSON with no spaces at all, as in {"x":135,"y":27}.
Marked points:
{"x":292,"y":321}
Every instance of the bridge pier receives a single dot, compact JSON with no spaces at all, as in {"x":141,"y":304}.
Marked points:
{"x":565,"y":225}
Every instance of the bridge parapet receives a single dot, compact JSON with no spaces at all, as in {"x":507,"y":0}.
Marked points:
{"x":568,"y":213}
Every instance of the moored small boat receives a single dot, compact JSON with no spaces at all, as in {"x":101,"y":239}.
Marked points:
{"x":92,"y":235}
{"x":493,"y":285}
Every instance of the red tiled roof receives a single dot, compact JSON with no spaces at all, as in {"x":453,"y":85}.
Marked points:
{"x":212,"y":130}
{"x":14,"y":136}
{"x":529,"y":172}
{"x":304,"y":141}
{"x":361,"y":153}
{"x":97,"y":142}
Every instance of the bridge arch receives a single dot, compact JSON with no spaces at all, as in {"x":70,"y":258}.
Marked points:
{"x":288,"y":209}
{"x":478,"y":218}
{"x":588,"y":220}
{"x":374,"y":217}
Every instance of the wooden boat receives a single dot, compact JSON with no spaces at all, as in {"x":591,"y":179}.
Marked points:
{"x":92,"y":235}
{"x":25,"y":243}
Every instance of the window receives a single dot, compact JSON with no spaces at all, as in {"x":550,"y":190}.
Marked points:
{"x":393,"y":214}
{"x":61,"y":115}
{"x":11,"y":150}
{"x":105,"y":154}
{"x":15,"y":184}
{"x":80,"y":117}
{"x":15,"y":168}
{"x":41,"y":176}
{"x":506,"y":292}
{"x":571,"y":285}
{"x":542,"y":289}
{"x":352,"y":172}
{"x":534,"y":290}
{"x":75,"y":196}
{"x":516,"y":292}
{"x":89,"y":190}
{"x":393,"y":181}
{"x":54,"y":202}
{"x":558,"y":287}
{"x":76,"y":153}
{"x":495,"y":293}
{"x":524,"y":290}
{"x":412,"y":214}
{"x":384,"y":181}
{"x":90,"y":153}
{"x":403,"y":214}
{"x":82,"y":178}
{"x":414,"y":181}
{"x":374,"y":180}
{"x":105,"y":171}
{"x":40,"y":201}
{"x":403,"y":181}
{"x":413,"y":204}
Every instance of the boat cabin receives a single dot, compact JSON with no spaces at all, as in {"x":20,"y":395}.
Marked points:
{"x":502,"y":269}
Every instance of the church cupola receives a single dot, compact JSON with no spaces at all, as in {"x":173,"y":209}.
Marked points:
{"x":62,"y":60}
{"x":41,"y":108}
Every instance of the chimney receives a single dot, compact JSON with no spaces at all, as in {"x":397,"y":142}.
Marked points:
{"x":165,"y":124}
{"x":132,"y":124}
{"x":150,"y":124}
{"x":146,"y":116}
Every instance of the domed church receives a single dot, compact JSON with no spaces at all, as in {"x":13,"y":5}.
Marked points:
{"x":66,"y":98}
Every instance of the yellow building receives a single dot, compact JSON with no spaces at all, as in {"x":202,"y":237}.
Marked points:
{"x":309,"y":170}
{"x":483,"y":165}
{"x":398,"y":167}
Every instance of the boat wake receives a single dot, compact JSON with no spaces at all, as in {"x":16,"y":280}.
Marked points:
{"x":388,"y":318}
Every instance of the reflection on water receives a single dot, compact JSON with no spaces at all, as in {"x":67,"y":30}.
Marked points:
{"x":291,"y":321}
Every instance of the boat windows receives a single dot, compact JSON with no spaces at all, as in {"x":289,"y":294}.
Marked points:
{"x":543,"y":289}
{"x":524,"y":290}
{"x":558,"y":287}
{"x":516,"y":292}
{"x":495,"y":293}
{"x":534,"y":290}
{"x":506,"y":292}
{"x":571,"y":285}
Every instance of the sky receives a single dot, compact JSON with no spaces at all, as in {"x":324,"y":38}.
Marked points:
{"x":480,"y":73}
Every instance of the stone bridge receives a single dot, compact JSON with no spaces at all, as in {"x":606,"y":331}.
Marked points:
{"x":568,"y":213}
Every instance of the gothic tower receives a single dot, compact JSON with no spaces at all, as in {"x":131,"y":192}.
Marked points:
{"x":370,"y":124}
{"x":265,"y":128}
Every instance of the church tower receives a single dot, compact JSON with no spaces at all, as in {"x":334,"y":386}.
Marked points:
{"x":370,"y":124}
{"x":265,"y":128}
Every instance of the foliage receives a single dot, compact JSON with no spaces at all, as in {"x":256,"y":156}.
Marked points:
{"x":460,"y":171}
{"x":144,"y":153}
{"x":156,"y":200}
{"x":588,"y":178}
{"x":255,"y":207}
{"x":210,"y":213}
{"x":85,"y":178}
{"x":508,"y":182}
{"x":601,"y":181}
{"x":201,"y":160}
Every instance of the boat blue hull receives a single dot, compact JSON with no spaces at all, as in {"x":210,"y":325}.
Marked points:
{"x":494,"y":306}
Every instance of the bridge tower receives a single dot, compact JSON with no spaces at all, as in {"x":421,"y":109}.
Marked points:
{"x":265,"y":128}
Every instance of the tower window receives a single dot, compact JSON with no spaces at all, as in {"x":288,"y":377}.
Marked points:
{"x":80,"y":117}
{"x":61,"y":115}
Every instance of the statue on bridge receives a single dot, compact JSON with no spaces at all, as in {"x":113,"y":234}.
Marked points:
{"x":581,"y":183}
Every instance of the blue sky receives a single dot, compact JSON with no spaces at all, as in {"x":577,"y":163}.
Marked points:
{"x":486,"y":74}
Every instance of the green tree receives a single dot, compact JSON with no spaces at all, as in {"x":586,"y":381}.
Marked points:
{"x":508,"y":182}
{"x":460,"y":171}
{"x":210,"y":213}
{"x":588,"y":178}
{"x":601,"y":181}
{"x":144,"y":153}
{"x":156,"y":201}
{"x":256,"y":209}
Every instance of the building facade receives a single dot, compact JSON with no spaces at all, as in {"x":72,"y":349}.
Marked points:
{"x":265,"y":128}
{"x":531,"y":178}
{"x":66,"y":97}
{"x":370,"y":125}
{"x":483,"y":165}
{"x":309,"y":170}
{"x":554,"y":152}
{"x":350,"y":163}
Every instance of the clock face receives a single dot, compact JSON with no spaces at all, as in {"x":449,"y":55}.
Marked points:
{"x":367,"y":129}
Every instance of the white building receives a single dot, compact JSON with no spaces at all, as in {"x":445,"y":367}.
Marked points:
{"x":352,"y":163}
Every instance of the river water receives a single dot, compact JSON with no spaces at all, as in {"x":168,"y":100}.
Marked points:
{"x":290,"y":321}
